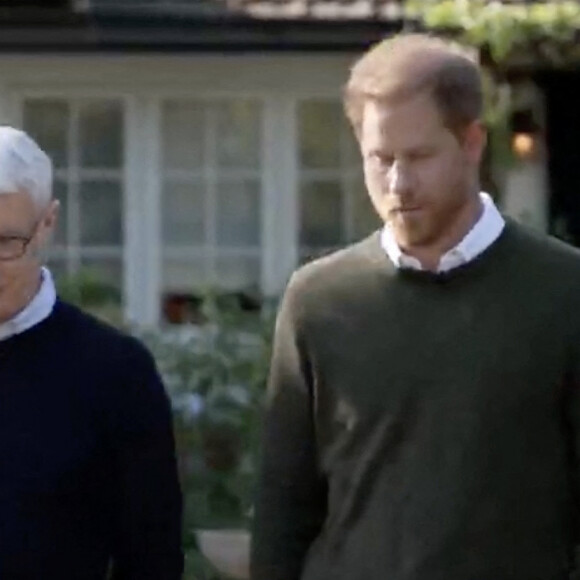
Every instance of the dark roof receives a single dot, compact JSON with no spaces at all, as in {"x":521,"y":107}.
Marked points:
{"x":329,"y":10}
{"x":199,"y":25}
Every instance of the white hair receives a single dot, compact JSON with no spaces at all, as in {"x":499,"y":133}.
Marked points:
{"x":24,"y":166}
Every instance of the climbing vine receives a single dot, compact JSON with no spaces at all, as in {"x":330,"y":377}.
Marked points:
{"x":542,"y":34}
{"x":545,"y":32}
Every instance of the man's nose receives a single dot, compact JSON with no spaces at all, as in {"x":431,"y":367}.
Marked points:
{"x":399,"y":178}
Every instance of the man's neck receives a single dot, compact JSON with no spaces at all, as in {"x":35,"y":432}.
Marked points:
{"x":430,"y":256}
{"x":26,"y":295}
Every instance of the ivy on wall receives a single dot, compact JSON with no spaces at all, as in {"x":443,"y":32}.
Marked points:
{"x":530,"y":35}
{"x":543,"y":31}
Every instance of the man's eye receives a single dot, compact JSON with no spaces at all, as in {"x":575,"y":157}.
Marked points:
{"x":382,"y":160}
{"x":419,"y":155}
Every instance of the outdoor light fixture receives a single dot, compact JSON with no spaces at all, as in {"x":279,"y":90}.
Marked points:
{"x":524,"y":134}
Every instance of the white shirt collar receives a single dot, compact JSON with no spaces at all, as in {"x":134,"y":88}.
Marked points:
{"x":37,"y":310}
{"x":485,"y":231}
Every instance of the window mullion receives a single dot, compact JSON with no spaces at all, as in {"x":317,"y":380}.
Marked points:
{"x":211,"y":201}
{"x":74,"y":221}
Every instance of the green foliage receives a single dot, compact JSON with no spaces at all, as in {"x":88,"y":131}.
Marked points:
{"x":216,"y":376}
{"x":545,"y":31}
{"x":88,"y":290}
{"x":535,"y":34}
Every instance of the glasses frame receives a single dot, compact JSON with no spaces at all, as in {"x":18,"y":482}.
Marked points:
{"x":25,"y":242}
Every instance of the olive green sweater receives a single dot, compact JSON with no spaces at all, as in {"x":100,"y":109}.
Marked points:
{"x":423,"y":426}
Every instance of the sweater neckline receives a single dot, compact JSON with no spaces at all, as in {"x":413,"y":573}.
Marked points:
{"x":9,"y":343}
{"x":478,"y":263}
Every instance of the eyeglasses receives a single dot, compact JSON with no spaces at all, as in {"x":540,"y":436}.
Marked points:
{"x":14,"y":247}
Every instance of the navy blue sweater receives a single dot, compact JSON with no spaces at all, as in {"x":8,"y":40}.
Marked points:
{"x":87,"y":463}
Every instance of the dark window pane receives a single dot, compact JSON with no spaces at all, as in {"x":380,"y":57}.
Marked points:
{"x":184,"y":134}
{"x":101,"y":135}
{"x":319,"y":129}
{"x":238,"y":272}
{"x":238,"y":132}
{"x":47,"y":122}
{"x":101,"y":213}
{"x":184,"y":275}
{"x":321,"y":223}
{"x":184,"y":213}
{"x":238,"y":213}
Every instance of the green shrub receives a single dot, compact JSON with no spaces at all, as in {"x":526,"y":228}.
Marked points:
{"x":216,"y":377}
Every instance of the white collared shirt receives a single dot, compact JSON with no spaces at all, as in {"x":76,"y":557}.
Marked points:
{"x":37,"y":310}
{"x":485,"y":231}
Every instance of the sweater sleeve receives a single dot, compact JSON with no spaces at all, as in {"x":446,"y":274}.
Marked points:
{"x":291,"y":499}
{"x":572,"y":413}
{"x":147,"y":539}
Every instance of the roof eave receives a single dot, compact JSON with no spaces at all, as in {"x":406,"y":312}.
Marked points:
{"x":146,"y":33}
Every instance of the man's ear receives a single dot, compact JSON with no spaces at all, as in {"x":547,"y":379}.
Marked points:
{"x":475,"y":141}
{"x":48,"y":222}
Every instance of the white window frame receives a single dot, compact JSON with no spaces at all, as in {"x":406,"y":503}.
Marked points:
{"x":345,"y":176}
{"x":14,"y":110}
{"x":210,"y":175}
{"x":279,"y":218}
{"x":143,"y":249}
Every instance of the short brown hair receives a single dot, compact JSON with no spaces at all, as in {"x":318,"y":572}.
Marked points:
{"x":408,"y":64}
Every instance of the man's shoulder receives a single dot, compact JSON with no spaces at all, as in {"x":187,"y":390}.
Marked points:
{"x":546,"y":250}
{"x":340,"y":265}
{"x":94,"y":338}
{"x":336,"y":276}
{"x":548,"y":267}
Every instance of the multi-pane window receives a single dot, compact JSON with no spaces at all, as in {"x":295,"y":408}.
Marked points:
{"x":84,"y":138}
{"x":211,"y":197}
{"x":334,"y":206}
{"x":212,"y":213}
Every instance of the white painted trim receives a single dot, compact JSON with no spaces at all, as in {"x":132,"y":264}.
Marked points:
{"x":143,"y":212}
{"x":211,"y":195}
{"x":312,"y":74}
{"x":60,"y":251}
{"x":194,"y":253}
{"x":73,"y":217}
{"x":280,"y":194}
{"x":133,"y":210}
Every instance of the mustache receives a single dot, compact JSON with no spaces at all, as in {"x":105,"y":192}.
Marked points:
{"x":406,"y":207}
{"x":405,"y":204}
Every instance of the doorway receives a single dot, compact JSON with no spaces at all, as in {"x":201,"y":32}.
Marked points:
{"x":562,"y":98}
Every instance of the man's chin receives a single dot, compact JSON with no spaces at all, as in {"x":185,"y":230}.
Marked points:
{"x":412,"y":237}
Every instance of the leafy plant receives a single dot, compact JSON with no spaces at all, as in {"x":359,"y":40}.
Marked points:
{"x":87,"y":289}
{"x":544,"y":31}
{"x":216,"y":376}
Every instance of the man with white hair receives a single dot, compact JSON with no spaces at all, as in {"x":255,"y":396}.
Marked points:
{"x":88,"y":478}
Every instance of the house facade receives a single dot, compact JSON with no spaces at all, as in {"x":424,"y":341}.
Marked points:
{"x":199,"y":144}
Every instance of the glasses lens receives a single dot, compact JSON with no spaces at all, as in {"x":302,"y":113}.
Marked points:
{"x":11,"y":248}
